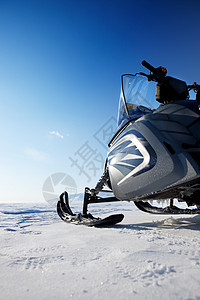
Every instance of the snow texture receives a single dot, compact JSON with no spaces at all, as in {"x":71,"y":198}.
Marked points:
{"x":144,"y":257}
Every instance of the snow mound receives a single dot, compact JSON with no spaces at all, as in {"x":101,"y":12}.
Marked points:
{"x":181,"y":222}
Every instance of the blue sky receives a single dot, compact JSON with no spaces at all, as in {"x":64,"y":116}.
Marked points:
{"x":60,"y":68}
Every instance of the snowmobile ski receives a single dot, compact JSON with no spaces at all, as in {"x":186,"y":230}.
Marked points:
{"x":65,"y":213}
{"x":169,"y":210}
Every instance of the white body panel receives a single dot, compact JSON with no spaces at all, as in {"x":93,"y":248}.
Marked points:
{"x":148,"y":155}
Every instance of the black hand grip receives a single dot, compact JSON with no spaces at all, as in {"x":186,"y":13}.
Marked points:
{"x":148,"y":66}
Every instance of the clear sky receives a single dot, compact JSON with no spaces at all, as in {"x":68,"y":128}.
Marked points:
{"x":60,"y":68}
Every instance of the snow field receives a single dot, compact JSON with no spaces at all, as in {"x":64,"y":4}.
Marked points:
{"x":144,"y":257}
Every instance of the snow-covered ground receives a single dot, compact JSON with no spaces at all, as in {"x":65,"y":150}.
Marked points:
{"x":144,"y":257}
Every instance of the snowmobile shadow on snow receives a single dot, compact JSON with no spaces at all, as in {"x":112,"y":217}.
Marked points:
{"x":154,"y":153}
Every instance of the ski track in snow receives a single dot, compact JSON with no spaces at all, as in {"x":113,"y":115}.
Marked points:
{"x":144,"y":257}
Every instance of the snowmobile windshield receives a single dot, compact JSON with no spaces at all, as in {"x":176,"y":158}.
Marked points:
{"x":137,"y":97}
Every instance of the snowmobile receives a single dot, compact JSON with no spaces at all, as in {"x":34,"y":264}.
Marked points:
{"x":154,"y":153}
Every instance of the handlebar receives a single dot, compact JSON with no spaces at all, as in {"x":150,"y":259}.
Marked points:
{"x":195,"y":87}
{"x":148,"y":66}
{"x":158,"y":74}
